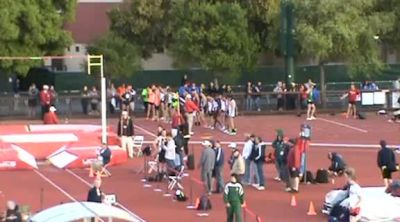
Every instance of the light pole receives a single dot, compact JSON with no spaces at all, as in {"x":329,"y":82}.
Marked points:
{"x":287,"y":39}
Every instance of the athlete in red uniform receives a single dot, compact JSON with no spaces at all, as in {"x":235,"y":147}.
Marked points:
{"x":352,"y":96}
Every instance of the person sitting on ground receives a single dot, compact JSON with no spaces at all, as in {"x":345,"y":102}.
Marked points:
{"x":237,"y":162}
{"x":12,"y":212}
{"x":337,"y":164}
{"x":386,"y":163}
{"x":51,"y":117}
{"x":394,"y":188}
{"x":353,"y":202}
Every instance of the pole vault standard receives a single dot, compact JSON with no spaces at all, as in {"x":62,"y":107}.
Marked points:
{"x":92,"y":61}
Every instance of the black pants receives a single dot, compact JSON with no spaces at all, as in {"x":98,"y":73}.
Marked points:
{"x":45,"y":109}
{"x":85,"y":103}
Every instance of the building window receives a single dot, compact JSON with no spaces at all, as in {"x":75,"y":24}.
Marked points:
{"x":77,"y":48}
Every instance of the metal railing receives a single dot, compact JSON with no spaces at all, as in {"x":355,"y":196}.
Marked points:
{"x":267,"y":102}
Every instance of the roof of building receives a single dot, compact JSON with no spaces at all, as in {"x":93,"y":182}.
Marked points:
{"x":91,"y":20}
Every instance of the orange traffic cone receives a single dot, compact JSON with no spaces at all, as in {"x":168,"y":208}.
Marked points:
{"x":293,"y":202}
{"x":311,"y":209}
{"x":196,"y":204}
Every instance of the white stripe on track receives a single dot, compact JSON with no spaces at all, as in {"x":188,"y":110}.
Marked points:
{"x":343,"y":125}
{"x":48,"y":180}
{"x":118,"y":204}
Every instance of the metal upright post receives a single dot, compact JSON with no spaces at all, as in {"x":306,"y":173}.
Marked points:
{"x":100,"y":64}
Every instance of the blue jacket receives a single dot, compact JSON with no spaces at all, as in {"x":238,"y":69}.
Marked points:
{"x":219,"y":157}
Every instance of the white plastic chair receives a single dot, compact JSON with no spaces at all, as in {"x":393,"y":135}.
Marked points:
{"x":137,"y":145}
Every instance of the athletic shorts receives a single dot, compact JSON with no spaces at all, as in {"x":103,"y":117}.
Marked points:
{"x":157,"y":107}
{"x":310,"y":102}
{"x":352,"y":102}
{"x":386,"y":173}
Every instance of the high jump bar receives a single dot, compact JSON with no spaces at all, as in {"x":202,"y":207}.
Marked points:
{"x":42,"y":57}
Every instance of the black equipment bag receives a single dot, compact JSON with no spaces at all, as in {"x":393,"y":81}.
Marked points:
{"x":322,"y":176}
{"x":190,"y":162}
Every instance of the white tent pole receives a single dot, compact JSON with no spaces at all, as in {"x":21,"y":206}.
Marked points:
{"x":103,"y":105}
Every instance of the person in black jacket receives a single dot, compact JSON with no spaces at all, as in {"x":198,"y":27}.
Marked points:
{"x":12,"y":212}
{"x":95,"y":194}
{"x":337,"y":164}
{"x":219,"y":167}
{"x":387,"y":163}
{"x":126,"y":132}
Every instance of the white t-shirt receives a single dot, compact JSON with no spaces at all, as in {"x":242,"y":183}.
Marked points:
{"x":355,"y":195}
{"x":170,"y":150}
{"x":248,"y":146}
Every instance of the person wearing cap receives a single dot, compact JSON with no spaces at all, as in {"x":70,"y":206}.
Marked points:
{"x":190,"y":108}
{"x":45,"y":99}
{"x":51,"y":116}
{"x":126,"y":132}
{"x":387,"y":163}
{"x":234,"y":199}
{"x":219,"y":167}
{"x":236,"y":162}
{"x":207,"y":163}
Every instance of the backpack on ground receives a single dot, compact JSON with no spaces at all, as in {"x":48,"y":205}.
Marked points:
{"x":204,"y":203}
{"x":180,"y":196}
{"x":309,"y":177}
{"x":361,"y":115}
{"x":322,"y":176}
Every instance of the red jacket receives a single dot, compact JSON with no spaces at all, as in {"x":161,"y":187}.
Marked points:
{"x":45,"y":98}
{"x":190,"y":106}
{"x":177,"y":120}
{"x":50,"y":118}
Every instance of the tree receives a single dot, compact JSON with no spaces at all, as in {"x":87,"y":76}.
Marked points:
{"x":144,"y":23}
{"x":215,"y":36}
{"x":33,"y":28}
{"x":121,"y":58}
{"x":341,"y":30}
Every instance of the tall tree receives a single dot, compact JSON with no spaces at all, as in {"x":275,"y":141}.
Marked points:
{"x":215,"y":36}
{"x":121,"y":58}
{"x":33,"y":28}
{"x":341,"y":30}
{"x":144,"y":23}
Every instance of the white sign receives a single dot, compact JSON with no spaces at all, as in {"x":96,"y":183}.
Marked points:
{"x":367,"y":98}
{"x":379,"y":98}
{"x":110,"y":199}
{"x":395,"y":98}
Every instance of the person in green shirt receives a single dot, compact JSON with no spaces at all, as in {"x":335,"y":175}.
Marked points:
{"x":145,"y":97}
{"x":234,"y":199}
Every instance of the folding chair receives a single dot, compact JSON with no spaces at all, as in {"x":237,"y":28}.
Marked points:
{"x":175,"y":181}
{"x":137,"y":145}
{"x":153,"y":166}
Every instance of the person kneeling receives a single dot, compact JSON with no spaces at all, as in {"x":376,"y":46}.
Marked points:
{"x":337,"y":165}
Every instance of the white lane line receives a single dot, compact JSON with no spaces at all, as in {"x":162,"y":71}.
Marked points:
{"x":90,"y":185}
{"x":343,"y":125}
{"x":55,"y":186}
{"x":63,"y":191}
{"x":145,"y":131}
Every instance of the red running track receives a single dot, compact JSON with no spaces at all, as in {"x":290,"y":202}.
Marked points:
{"x":273,"y":204}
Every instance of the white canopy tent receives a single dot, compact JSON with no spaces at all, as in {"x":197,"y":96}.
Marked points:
{"x":80,"y":210}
